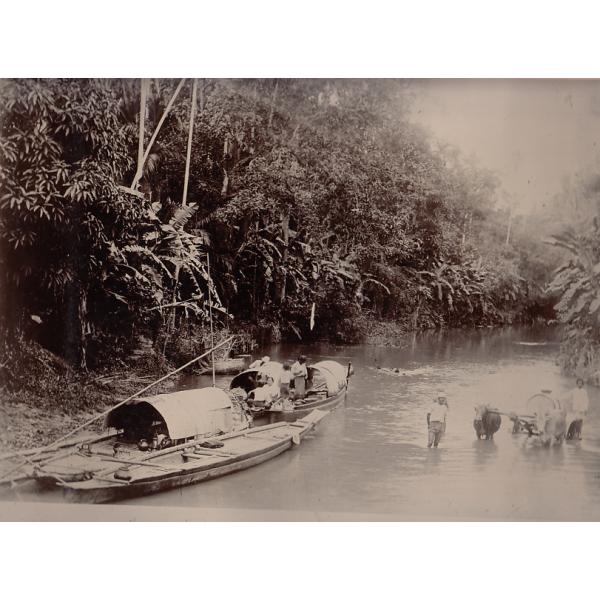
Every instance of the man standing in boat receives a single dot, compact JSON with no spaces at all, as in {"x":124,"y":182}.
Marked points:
{"x":436,"y":421}
{"x":300,"y":374}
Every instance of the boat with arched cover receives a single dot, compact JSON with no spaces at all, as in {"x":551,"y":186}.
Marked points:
{"x":166,"y":441}
{"x":327,"y":385}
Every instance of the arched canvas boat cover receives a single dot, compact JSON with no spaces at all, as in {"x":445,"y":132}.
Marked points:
{"x":321,"y":379}
{"x":247,"y":379}
{"x":333,"y":374}
{"x":188,"y":413}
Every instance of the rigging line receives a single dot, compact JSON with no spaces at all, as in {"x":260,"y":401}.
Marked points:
{"x":212,"y":333}
{"x":104,"y":413}
{"x":139,"y":172}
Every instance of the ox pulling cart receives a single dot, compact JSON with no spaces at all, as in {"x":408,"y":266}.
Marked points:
{"x":544,"y":417}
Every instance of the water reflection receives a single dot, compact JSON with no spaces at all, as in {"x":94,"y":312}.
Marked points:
{"x":484,"y":452}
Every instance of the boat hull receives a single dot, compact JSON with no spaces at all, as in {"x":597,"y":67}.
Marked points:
{"x":265,"y":444}
{"x":300,"y":411}
{"x":126,"y":491}
{"x":227,"y":367}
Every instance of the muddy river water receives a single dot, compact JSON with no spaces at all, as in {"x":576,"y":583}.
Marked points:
{"x":369,"y":457}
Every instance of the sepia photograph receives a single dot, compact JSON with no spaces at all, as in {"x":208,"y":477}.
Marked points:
{"x":315,"y":299}
{"x":299,"y":299}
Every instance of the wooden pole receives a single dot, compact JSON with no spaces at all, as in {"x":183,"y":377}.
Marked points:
{"x":104,"y":413}
{"x":185,"y":182}
{"x":509,"y":226}
{"x":141,"y":130}
{"x":273,"y":98}
{"x":189,"y":143}
{"x":155,"y":134}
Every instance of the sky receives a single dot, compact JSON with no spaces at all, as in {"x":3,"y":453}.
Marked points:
{"x":534,"y":134}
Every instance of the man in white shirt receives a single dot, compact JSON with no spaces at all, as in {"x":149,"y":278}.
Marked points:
{"x":436,"y":421}
{"x":299,"y":374}
{"x":580,"y":403}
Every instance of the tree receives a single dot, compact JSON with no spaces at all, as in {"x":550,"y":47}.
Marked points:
{"x":78,"y":248}
{"x":312,"y":195}
{"x":577,"y":283}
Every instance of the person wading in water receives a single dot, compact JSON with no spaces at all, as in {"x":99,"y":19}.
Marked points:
{"x":580,"y":403}
{"x":436,"y":421}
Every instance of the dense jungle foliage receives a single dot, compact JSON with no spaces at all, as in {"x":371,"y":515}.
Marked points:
{"x":322,"y":208}
{"x":576,"y":282}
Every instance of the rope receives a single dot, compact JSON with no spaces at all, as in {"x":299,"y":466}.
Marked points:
{"x":104,"y":413}
{"x":212,"y":334}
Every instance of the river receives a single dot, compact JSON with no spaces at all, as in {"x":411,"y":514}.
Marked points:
{"x":370,"y":455}
{"x":368,"y":459}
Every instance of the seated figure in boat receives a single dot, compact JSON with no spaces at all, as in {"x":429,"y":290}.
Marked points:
{"x":142,"y":426}
{"x":240,"y":411}
{"x":159,"y":441}
{"x":278,"y":392}
{"x":146,"y":432}
{"x":285,"y":378}
{"x":264,"y":394}
{"x":272,"y":390}
{"x":259,"y":362}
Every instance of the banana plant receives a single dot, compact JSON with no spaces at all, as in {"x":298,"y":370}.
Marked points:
{"x":578,"y":281}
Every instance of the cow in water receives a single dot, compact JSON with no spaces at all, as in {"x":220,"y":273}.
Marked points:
{"x":486,"y":422}
{"x":552,"y":427}
{"x":548,"y":426}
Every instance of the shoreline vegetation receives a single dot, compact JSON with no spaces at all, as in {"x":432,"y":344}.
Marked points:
{"x":49,"y":397}
{"x":141,"y":221}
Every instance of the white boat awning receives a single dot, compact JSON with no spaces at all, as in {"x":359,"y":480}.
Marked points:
{"x":247,"y":379}
{"x":334,"y":375}
{"x":205,"y":411}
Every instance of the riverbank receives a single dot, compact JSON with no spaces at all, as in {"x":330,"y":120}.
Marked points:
{"x":31,"y":418}
{"x":44,"y":397}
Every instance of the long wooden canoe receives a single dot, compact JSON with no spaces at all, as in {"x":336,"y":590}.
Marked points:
{"x":106,"y":477}
{"x":227,"y":366}
{"x":316,"y":401}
